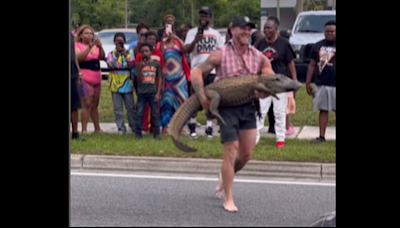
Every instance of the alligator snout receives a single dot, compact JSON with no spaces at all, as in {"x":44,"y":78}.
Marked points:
{"x":293,"y":86}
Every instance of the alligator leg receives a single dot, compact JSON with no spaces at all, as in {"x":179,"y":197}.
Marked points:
{"x":262,"y":87}
{"x":214,"y":104}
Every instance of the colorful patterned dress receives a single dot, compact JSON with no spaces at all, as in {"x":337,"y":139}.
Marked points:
{"x":175,"y":90}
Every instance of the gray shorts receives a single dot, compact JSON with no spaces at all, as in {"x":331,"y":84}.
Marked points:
{"x":236,"y":119}
{"x":325,"y":98}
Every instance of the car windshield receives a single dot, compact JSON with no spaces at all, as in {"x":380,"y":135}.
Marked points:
{"x":108,"y":37}
{"x":313,"y":23}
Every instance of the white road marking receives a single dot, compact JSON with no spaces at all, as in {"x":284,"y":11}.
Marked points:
{"x":202,"y":179}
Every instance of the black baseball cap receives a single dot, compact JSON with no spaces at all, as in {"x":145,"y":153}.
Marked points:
{"x":242,"y":21}
{"x":206,"y":10}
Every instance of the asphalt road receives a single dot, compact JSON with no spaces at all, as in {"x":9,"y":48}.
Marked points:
{"x":156,"y":202}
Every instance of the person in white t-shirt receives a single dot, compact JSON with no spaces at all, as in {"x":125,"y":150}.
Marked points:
{"x":199,"y":43}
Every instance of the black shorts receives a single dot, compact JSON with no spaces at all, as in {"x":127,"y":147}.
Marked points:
{"x":237,"y":118}
{"x":75,"y":97}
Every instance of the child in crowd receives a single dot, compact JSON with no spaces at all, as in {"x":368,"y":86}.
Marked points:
{"x":148,"y":93}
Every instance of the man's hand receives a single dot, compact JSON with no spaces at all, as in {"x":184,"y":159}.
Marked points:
{"x":309,"y":89}
{"x":205,"y":103}
{"x":198,"y":37}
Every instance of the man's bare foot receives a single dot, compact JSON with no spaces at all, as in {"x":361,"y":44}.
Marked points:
{"x":84,"y":132}
{"x":230,"y":207}
{"x":220,"y":188}
{"x":98,"y":131}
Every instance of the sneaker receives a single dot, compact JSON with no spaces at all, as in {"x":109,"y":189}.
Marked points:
{"x":209,"y":131}
{"x":280,"y":144}
{"x":138,"y":136}
{"x":289,"y":131}
{"x":192,"y":129}
{"x":157,"y":137}
{"x":318,"y":140}
{"x":271,"y":130}
{"x":76,"y":137}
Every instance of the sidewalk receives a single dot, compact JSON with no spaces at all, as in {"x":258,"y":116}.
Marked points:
{"x":306,"y":132}
{"x":198,"y":166}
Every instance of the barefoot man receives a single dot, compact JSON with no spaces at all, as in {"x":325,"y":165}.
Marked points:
{"x":237,"y":58}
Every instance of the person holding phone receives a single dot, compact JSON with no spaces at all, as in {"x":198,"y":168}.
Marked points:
{"x":120,"y":62}
{"x":89,"y":52}
{"x":141,"y":30}
{"x":177,"y":75}
{"x":200,"y":43}
{"x":148,"y":92}
{"x":168,"y":19}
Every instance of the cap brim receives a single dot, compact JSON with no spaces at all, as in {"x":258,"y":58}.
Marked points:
{"x":247,"y":23}
{"x":204,"y":11}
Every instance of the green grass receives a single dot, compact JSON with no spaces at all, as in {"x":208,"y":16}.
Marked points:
{"x":112,"y":144}
{"x":305,"y":116}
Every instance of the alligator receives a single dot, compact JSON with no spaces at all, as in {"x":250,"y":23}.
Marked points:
{"x":229,"y":92}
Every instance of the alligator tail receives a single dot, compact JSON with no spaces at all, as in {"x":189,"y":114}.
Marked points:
{"x":180,"y":118}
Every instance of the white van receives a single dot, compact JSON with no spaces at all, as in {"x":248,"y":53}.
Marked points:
{"x":307,"y":30}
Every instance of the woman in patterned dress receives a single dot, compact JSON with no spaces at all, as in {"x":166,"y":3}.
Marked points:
{"x":177,"y":76}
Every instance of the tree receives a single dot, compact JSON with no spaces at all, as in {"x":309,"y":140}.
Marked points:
{"x":111,"y":13}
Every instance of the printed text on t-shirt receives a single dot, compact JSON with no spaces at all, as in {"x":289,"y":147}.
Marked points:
{"x":207,"y":45}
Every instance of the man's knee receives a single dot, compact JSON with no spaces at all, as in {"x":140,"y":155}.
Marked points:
{"x":245,"y":156}
{"x":230,"y":150}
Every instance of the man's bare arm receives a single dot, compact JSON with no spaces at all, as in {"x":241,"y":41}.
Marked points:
{"x":213,"y":60}
{"x":266,"y":67}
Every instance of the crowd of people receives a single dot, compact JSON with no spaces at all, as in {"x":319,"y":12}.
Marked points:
{"x":165,"y":67}
{"x":176,"y":53}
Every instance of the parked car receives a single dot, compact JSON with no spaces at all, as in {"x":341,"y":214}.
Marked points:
{"x":307,"y":30}
{"x":107,"y":40}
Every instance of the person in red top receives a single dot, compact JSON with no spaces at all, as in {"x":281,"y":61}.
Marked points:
{"x":157,"y":56}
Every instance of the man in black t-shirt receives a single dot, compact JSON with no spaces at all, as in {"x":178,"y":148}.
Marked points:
{"x":281,"y":55}
{"x":323,"y":67}
{"x":75,"y":97}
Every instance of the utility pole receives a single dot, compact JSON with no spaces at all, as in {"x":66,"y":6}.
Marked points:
{"x":278,"y":9}
{"x":299,"y":6}
{"x":126,"y":14}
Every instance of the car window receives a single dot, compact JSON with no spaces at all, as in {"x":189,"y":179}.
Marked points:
{"x":108,"y":37}
{"x":312,"y":23}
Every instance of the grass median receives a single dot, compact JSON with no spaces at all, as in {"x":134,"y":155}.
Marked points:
{"x":112,"y":144}
{"x":305,"y":116}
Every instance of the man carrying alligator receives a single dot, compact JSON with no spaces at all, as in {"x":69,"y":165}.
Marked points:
{"x":235,"y":59}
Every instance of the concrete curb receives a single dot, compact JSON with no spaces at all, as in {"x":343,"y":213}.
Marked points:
{"x":289,"y":170}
